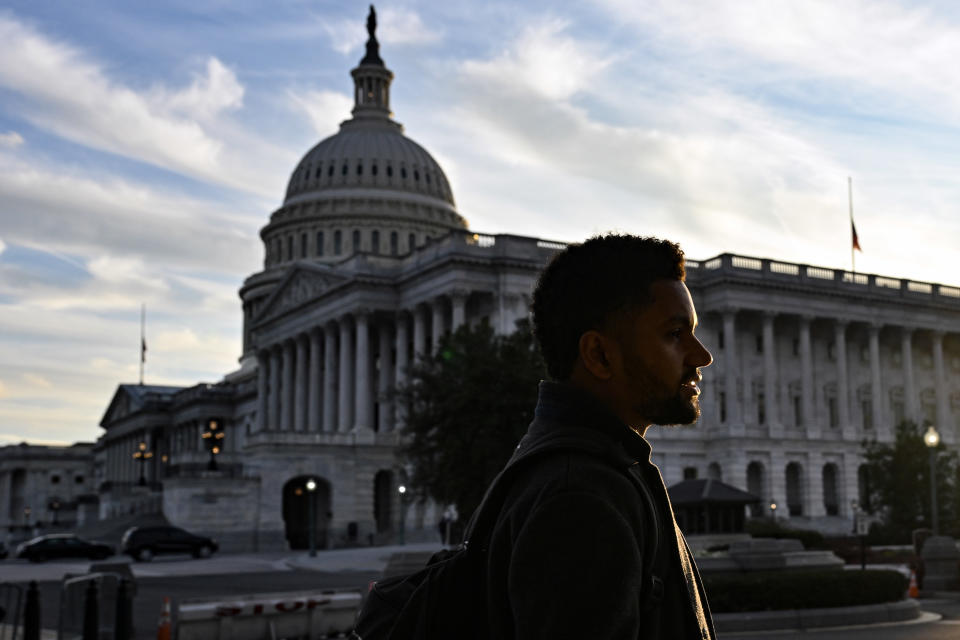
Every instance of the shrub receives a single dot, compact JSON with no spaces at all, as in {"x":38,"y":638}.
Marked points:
{"x":763,"y":528}
{"x":773,"y":590}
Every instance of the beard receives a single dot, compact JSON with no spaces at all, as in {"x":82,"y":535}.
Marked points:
{"x":663,"y":406}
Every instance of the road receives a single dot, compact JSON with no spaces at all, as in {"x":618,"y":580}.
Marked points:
{"x":232,"y":575}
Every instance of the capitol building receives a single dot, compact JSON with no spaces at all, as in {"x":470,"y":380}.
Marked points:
{"x":367,"y":263}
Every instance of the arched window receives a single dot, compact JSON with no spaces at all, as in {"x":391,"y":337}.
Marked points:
{"x":755,"y":485}
{"x":373,"y":169}
{"x":831,"y":500}
{"x":337,"y":242}
{"x":375,"y":241}
{"x":393,"y":243}
{"x":356,"y":240}
{"x":403,"y":172}
{"x":389,"y":171}
{"x":714,"y":471}
{"x":319,"y":243}
{"x":795,"y":489}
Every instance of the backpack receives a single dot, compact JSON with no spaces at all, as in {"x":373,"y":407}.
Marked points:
{"x":447,"y":598}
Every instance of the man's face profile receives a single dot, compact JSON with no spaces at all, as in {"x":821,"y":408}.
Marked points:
{"x":655,"y":372}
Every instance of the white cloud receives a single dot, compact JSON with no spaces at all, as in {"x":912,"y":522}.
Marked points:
{"x":544,"y":59}
{"x":862,"y":46}
{"x":37,"y":381}
{"x":3,"y":389}
{"x":10,"y":140}
{"x":325,"y":109}
{"x":208,"y":95}
{"x":185,"y":130}
{"x":3,"y":247}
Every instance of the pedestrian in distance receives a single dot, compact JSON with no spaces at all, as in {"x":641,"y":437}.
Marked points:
{"x":585,"y":544}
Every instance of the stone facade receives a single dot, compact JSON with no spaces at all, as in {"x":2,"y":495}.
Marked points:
{"x":45,"y":486}
{"x":367,"y":264}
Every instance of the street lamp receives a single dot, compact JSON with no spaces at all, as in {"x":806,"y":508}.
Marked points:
{"x":931,"y":438}
{"x":773,"y":510}
{"x":26,"y":517}
{"x":213,"y":437}
{"x":312,"y":524}
{"x":141,"y":455}
{"x":54,"y":506}
{"x":402,"y":490}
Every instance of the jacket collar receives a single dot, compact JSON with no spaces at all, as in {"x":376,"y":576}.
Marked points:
{"x":561,"y":406}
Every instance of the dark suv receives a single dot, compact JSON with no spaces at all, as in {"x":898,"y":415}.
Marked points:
{"x":142,"y":543}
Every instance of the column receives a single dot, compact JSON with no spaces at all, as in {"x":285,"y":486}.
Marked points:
{"x":315,"y":384}
{"x":735,"y":468}
{"x":770,"y":386}
{"x":300,"y":385}
{"x":811,"y":428}
{"x":458,"y":302}
{"x":385,"y":415}
{"x":731,"y":372}
{"x":944,"y":425}
{"x":329,"y":377}
{"x":273,"y":402}
{"x":345,"y":412}
{"x":851,"y":484}
{"x":262,"y":390}
{"x":286,"y":398}
{"x":814,"y":498}
{"x":362,"y":396}
{"x":419,"y":333}
{"x":400,"y":373}
{"x":437,"y":326}
{"x":883,"y":431}
{"x":909,"y":385}
{"x":843,"y":387}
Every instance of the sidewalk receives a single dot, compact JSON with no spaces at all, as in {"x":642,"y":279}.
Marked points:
{"x":371,"y":559}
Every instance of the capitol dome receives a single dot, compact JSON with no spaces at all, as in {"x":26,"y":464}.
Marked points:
{"x":366,"y":189}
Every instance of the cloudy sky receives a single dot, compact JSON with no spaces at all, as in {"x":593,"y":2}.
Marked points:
{"x":143,"y":146}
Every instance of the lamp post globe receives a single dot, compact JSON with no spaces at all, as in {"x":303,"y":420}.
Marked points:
{"x":932,"y":439}
{"x":402,"y":491}
{"x":311,"y":486}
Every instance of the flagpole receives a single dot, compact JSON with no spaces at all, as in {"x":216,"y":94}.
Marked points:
{"x":853,"y":259}
{"x":143,"y":340}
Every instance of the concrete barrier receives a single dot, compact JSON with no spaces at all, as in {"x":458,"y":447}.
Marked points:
{"x":301,"y":614}
{"x":816,"y":618}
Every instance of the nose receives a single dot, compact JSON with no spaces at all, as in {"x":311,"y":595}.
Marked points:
{"x":700,"y":357}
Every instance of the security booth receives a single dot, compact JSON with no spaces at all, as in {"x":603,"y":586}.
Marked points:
{"x":706,"y":506}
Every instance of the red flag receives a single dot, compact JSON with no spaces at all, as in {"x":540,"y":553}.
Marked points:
{"x":856,"y":240}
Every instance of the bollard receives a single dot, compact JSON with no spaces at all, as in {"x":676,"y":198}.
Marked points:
{"x":31,"y":613}
{"x":124,"y":614}
{"x":91,"y":623}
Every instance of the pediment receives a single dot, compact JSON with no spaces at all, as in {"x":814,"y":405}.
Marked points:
{"x":300,"y":287}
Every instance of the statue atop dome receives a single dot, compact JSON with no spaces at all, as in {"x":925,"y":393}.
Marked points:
{"x":373,"y":47}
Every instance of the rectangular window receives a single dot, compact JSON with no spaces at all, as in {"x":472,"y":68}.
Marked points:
{"x":337,"y":242}
{"x":797,"y":411}
{"x":832,"y":409}
{"x":319,"y":243}
{"x":393,"y":243}
{"x":720,"y":339}
{"x":898,"y":412}
{"x":722,"y":397}
{"x":761,"y":409}
{"x":356,"y":240}
{"x":289,"y":247}
{"x":866,"y":407}
{"x":796,"y":346}
{"x":303,"y":245}
{"x":759,"y":343}
{"x":375,"y":242}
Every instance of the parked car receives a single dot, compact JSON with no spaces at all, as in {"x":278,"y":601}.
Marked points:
{"x":143,"y":543}
{"x":62,"y":545}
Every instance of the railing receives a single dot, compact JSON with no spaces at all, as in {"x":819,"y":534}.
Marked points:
{"x":762,"y":268}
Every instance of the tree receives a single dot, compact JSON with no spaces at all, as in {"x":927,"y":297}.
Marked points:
{"x":899,"y":482}
{"x":466,"y":409}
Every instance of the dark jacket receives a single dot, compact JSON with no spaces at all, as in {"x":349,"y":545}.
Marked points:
{"x":566,"y":555}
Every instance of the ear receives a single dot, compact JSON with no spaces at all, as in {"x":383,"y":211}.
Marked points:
{"x":598,"y":353}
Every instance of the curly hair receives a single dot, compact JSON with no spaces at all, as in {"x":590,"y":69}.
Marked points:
{"x":585,"y":284}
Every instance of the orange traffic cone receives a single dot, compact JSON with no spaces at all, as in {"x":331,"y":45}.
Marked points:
{"x":913,"y":591}
{"x":164,"y":623}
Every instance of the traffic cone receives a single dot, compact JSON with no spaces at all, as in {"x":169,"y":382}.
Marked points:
{"x":913,"y":591}
{"x":163,"y":624}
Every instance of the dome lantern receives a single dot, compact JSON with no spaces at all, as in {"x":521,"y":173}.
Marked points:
{"x":371,"y":79}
